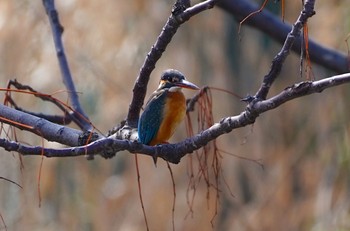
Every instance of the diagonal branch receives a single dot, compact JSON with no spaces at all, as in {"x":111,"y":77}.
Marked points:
{"x":274,"y":27}
{"x":178,"y":17}
{"x":277,"y":63}
{"x":79,"y":115}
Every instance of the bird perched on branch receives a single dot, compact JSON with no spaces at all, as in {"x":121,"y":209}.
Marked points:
{"x":164,"y":110}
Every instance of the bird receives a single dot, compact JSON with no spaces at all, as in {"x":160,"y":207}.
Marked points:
{"x":164,"y":110}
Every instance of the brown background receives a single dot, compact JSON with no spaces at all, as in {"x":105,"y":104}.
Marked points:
{"x":303,"y":144}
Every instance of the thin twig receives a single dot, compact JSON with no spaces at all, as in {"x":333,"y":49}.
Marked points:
{"x":3,"y":178}
{"x":58,"y":119}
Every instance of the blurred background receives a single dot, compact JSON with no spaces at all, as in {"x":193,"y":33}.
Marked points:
{"x":304,"y":145}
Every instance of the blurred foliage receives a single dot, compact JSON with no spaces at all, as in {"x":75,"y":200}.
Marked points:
{"x":304,"y":144}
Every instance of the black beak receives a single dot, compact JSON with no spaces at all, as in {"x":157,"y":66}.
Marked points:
{"x":187,"y":84}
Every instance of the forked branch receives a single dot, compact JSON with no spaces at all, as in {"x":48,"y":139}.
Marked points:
{"x":170,"y":152}
{"x":180,"y":14}
{"x":174,"y":152}
{"x":271,"y":25}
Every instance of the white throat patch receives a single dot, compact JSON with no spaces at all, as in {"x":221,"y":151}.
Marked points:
{"x":174,"y":89}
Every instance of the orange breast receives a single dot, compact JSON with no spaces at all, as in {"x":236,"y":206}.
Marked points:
{"x":174,"y":112}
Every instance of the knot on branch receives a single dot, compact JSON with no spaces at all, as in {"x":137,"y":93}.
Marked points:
{"x":251,"y":113}
{"x":180,"y":6}
{"x":173,"y":153}
{"x":248,"y":99}
{"x":302,"y":88}
{"x":178,"y":9}
{"x":169,"y":153}
{"x":86,"y":138}
{"x":108,"y":153}
{"x":309,"y":13}
{"x":309,"y":9}
{"x":124,"y":132}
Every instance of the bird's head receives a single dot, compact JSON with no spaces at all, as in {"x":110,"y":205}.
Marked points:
{"x":174,"y":80}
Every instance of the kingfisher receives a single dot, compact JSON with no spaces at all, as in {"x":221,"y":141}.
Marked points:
{"x":164,"y":110}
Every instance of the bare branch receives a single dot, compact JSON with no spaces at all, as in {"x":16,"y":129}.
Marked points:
{"x":169,"y":152}
{"x":300,"y":89}
{"x":11,"y":181}
{"x":67,"y":118}
{"x":307,"y":12}
{"x":274,"y":27}
{"x":39,"y":126}
{"x":178,"y":17}
{"x":174,"y":152}
{"x":57,"y":31}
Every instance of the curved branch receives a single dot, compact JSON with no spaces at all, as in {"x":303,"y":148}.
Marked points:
{"x":78,"y":116}
{"x":178,"y":17}
{"x":174,"y":152}
{"x":274,"y":27}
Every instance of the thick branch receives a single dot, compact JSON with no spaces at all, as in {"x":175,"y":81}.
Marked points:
{"x":274,"y":27}
{"x":41,"y":127}
{"x":174,"y":152}
{"x":170,"y":152}
{"x":177,"y":18}
{"x":79,"y":116}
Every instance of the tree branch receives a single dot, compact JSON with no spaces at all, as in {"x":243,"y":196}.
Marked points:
{"x":67,"y":118}
{"x":274,"y":27}
{"x":174,"y":152}
{"x":277,"y":63}
{"x":41,"y":127}
{"x":178,"y":17}
{"x":169,"y":152}
{"x":78,"y":116}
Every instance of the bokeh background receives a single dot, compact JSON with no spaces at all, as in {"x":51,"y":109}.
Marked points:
{"x":304,"y":145}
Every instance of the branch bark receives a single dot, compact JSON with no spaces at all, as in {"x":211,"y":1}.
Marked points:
{"x":277,"y":63}
{"x":274,"y":27}
{"x":174,"y":152}
{"x":179,"y":16}
{"x":170,"y":152}
{"x":78,"y":115}
{"x":44,"y":128}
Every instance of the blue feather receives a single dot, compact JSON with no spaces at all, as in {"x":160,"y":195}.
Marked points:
{"x":151,"y":118}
